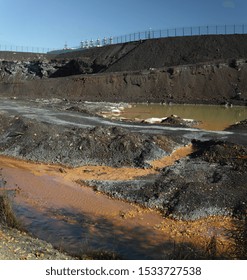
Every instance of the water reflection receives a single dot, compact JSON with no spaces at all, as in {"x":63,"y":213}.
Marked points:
{"x":91,"y":233}
{"x":212,"y":117}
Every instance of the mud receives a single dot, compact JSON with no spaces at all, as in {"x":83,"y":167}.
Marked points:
{"x":77,"y":219}
{"x":60,"y":127}
{"x":211,"y":181}
{"x":216,"y":170}
{"x":208,"y":117}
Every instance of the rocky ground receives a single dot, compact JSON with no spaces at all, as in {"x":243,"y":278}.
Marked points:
{"x":18,"y":245}
{"x":71,"y":146}
{"x":211,"y":181}
{"x":199,"y":69}
{"x":241,"y":126}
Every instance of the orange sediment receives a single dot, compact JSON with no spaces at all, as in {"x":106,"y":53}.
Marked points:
{"x":45,"y":186}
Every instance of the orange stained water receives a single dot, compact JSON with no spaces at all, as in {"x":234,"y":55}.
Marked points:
{"x":54,"y":207}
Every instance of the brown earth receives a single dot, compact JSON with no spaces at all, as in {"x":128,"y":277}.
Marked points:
{"x":204,"y":238}
{"x":18,"y":245}
{"x":199,"y":69}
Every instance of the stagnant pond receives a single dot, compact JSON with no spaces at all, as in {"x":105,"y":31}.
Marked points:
{"x":212,"y":117}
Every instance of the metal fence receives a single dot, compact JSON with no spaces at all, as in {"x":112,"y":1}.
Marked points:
{"x":163,"y":33}
{"x":137,"y":36}
{"x":13,"y":48}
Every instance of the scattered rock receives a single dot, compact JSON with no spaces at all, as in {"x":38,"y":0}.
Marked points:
{"x":176,"y":121}
{"x":223,"y":153}
{"x":209,"y":182}
{"x":17,"y":245}
{"x":50,"y":143}
{"x":240,"y":126}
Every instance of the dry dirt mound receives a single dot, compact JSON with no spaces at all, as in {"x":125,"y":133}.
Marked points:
{"x":176,"y":121}
{"x":198,"y":69}
{"x":157,"y":53}
{"x":139,"y":55}
{"x":112,"y":146}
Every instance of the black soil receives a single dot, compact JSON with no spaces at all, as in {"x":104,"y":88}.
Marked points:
{"x":71,"y":146}
{"x":238,"y":127}
{"x":199,"y":69}
{"x":212,"y":181}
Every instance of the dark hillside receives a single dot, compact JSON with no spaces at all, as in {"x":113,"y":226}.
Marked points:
{"x":198,"y":69}
{"x":157,"y":53}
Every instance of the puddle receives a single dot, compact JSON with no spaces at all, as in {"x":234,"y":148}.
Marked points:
{"x":212,"y":117}
{"x":51,"y":206}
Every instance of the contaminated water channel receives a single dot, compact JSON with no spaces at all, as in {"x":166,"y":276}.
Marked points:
{"x":52,"y":206}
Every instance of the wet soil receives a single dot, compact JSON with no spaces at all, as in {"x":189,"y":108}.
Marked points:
{"x":49,"y":197}
{"x":211,"y":181}
{"x":76,"y":219}
{"x":215,"y":171}
{"x":204,"y":192}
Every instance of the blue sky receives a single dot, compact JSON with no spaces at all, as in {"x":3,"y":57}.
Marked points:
{"x":51,"y":23}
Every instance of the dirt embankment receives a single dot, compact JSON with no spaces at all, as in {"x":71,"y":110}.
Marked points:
{"x":50,"y":143}
{"x":205,"y":69}
{"x":198,"y":69}
{"x":210,"y":182}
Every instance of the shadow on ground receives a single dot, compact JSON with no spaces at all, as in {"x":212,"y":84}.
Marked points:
{"x":99,"y":238}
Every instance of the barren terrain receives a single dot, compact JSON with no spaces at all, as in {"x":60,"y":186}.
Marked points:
{"x":185,"y":174}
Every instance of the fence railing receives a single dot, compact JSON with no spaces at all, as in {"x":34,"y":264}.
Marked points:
{"x":137,"y":36}
{"x":13,"y":48}
{"x":163,"y":33}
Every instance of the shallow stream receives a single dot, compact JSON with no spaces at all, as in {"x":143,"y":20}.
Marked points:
{"x":52,"y":206}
